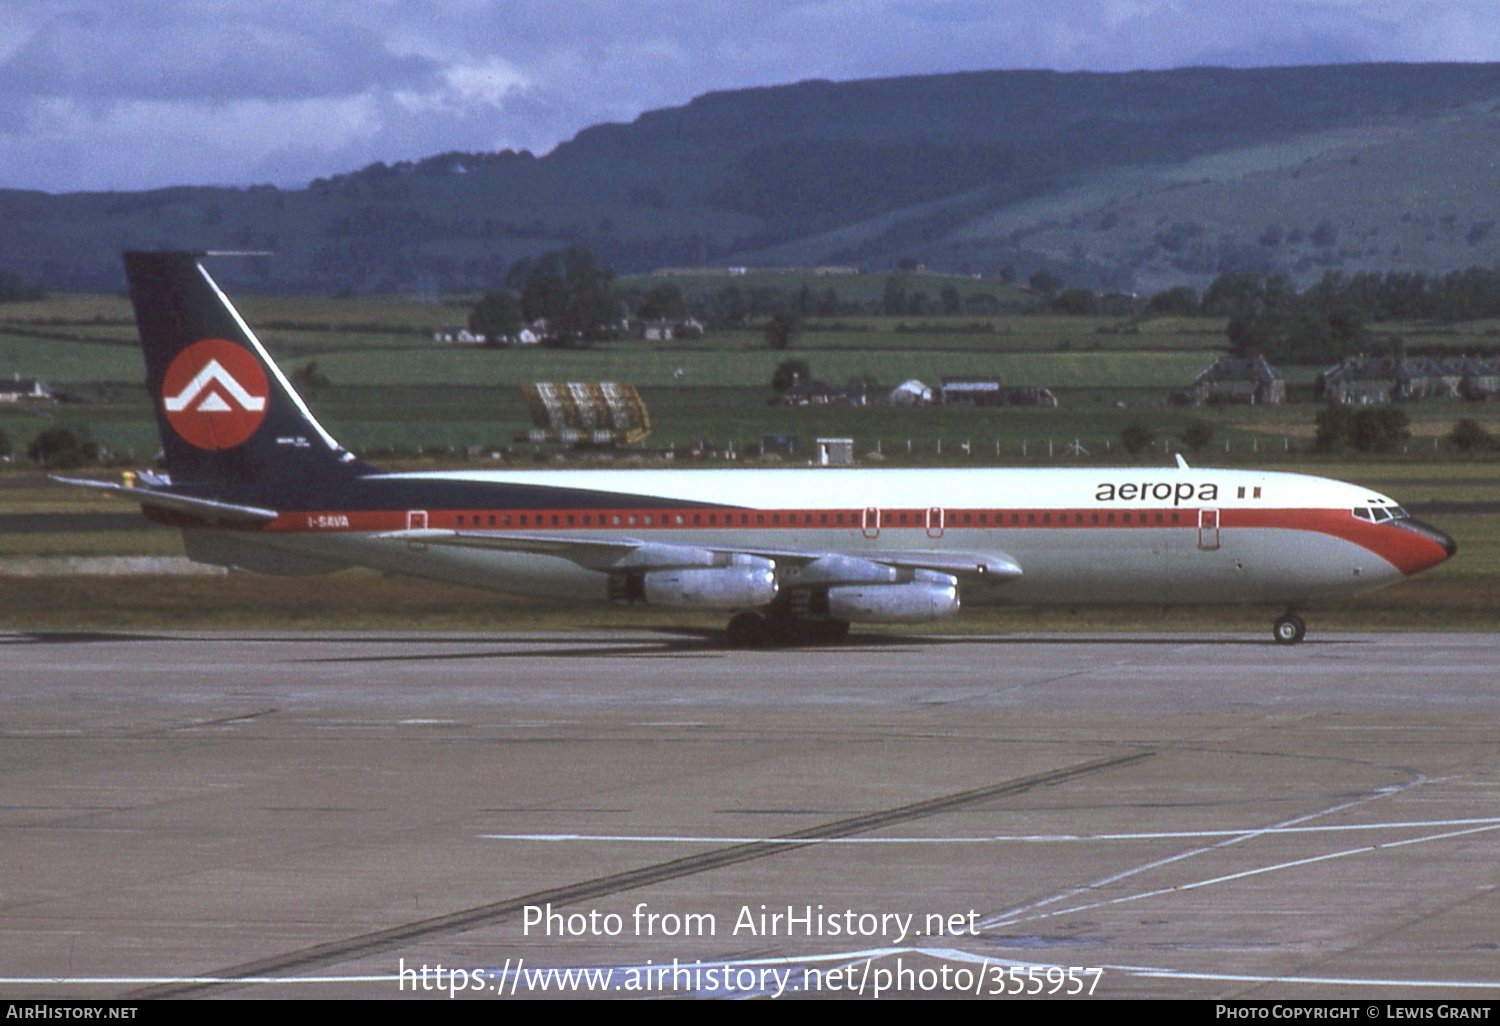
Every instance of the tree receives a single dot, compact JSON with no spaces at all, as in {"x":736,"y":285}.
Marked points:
{"x":783,"y":329}
{"x":1333,"y":423}
{"x":893,"y":299}
{"x":662,"y":301}
{"x":13,"y":289}
{"x":952,"y":301}
{"x":1045,"y":283}
{"x":309,"y":379}
{"x":788,"y":373}
{"x":1179,"y":302}
{"x":1379,"y":428}
{"x":1236,"y":294}
{"x":1470,"y":436}
{"x":1136,"y":437}
{"x":1372,"y":429}
{"x":6,"y":449}
{"x":1198,"y":435}
{"x":1076,"y":301}
{"x":497,"y":316}
{"x":60,"y":449}
{"x":570,"y":292}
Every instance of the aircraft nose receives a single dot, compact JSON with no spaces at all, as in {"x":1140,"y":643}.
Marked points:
{"x":1440,"y":538}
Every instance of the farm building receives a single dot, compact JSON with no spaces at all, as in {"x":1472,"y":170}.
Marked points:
{"x":1239,"y":379}
{"x":19,"y":389}
{"x":987,"y":392}
{"x":666,"y":329}
{"x":1383,"y":379}
{"x":910,"y":393}
{"x":814,"y":393}
{"x":458,"y":333}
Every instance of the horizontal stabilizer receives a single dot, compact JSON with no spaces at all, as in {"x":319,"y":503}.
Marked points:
{"x":208,"y":509}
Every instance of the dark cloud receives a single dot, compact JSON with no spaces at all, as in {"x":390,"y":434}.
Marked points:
{"x":90,"y":56}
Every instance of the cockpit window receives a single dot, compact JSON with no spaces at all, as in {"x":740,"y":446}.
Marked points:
{"x":1380,"y":513}
{"x":1362,"y":513}
{"x":1399,"y":513}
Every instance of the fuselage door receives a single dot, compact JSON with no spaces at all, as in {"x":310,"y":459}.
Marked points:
{"x":1208,"y":529}
{"x":416,"y":520}
{"x":935,"y":522}
{"x":869,"y":522}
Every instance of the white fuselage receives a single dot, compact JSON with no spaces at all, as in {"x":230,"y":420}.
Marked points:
{"x":1154,"y":536}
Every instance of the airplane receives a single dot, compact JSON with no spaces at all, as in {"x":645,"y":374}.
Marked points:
{"x":254,"y":482}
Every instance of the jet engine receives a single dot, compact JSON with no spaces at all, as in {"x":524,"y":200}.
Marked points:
{"x":932,"y":596}
{"x":749,"y":583}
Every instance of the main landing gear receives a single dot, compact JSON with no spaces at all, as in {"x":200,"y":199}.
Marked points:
{"x":757,"y":630}
{"x":1289,"y":629}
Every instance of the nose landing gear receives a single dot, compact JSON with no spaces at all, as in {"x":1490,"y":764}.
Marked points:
{"x":1289,"y":629}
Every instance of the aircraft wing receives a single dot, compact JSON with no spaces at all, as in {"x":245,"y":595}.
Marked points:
{"x":592,"y":554}
{"x":208,"y":509}
{"x":636,"y":553}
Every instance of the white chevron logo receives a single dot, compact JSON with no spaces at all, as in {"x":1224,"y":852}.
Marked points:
{"x":213,"y":371}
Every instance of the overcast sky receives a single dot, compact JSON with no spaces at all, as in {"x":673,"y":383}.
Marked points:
{"x":136,"y":94}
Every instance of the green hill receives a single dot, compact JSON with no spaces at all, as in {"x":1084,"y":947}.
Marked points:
{"x":1131,"y":181}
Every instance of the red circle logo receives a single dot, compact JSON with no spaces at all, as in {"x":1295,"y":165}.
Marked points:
{"x":215,"y":394}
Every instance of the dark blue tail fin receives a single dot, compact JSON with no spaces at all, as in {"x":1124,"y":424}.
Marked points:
{"x":232,"y":427}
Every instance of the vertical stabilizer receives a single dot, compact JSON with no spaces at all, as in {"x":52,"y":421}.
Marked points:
{"x":232,"y":427}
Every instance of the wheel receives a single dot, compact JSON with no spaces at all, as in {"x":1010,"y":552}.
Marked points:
{"x":1289,"y":630}
{"x":746,"y":630}
{"x":794,"y":631}
{"x":832,"y":632}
